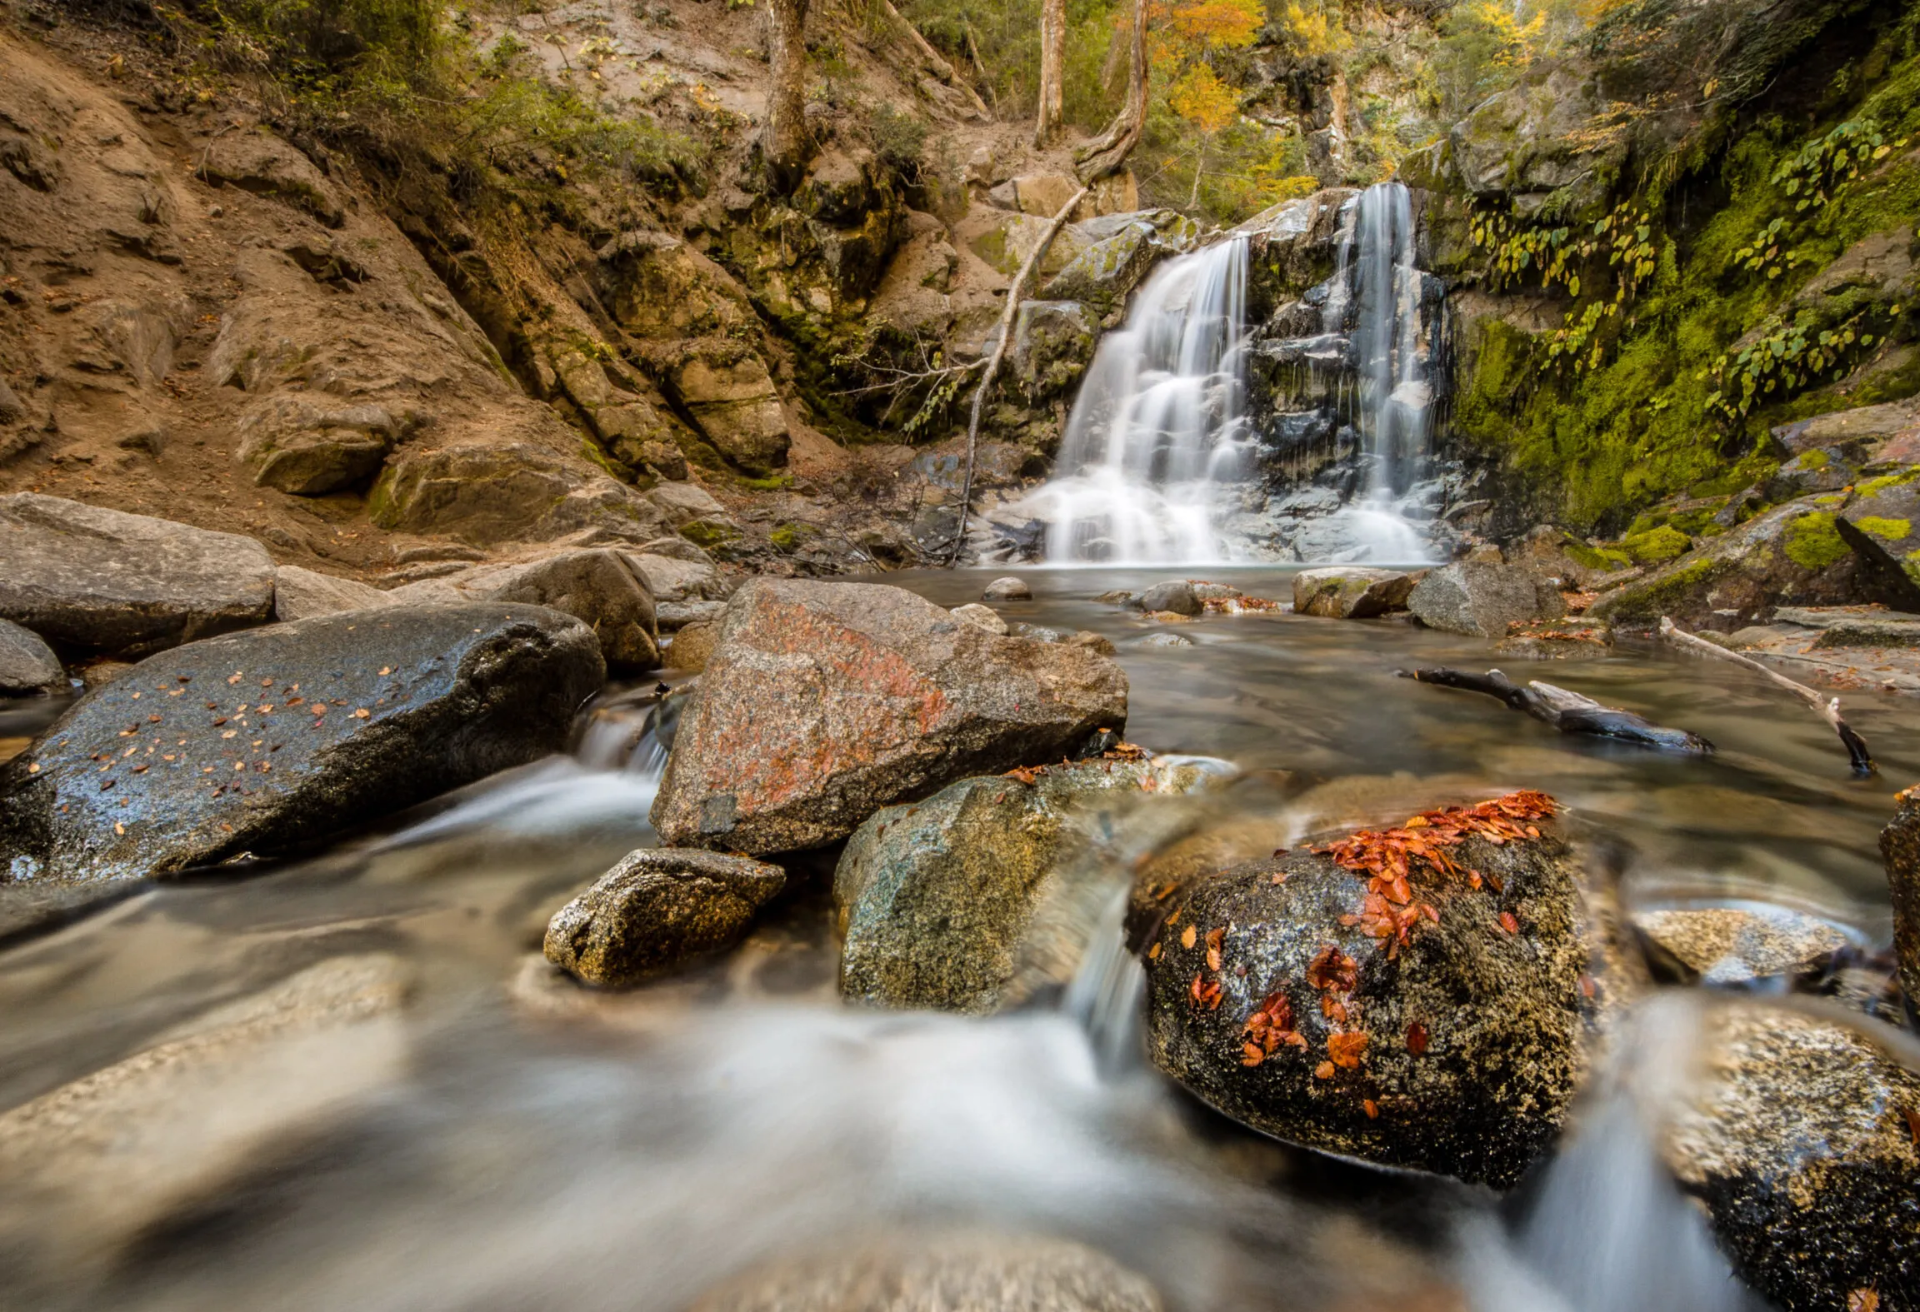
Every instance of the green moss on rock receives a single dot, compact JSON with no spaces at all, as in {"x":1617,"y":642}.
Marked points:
{"x":1657,"y":546}
{"x":1812,"y":542}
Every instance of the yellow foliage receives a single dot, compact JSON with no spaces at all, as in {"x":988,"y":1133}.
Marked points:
{"x":1510,"y":36}
{"x":1202,"y":99}
{"x":1180,"y":30}
{"x":1312,"y":28}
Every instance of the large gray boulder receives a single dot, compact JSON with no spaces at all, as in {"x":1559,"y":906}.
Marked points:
{"x":84,"y":576}
{"x":1351,"y":592}
{"x":656,"y":910}
{"x":279,"y":737}
{"x":935,"y":898}
{"x":1295,"y":999}
{"x":300,"y":594}
{"x":598,"y":586}
{"x":823,"y":702}
{"x":671,"y":578}
{"x":27,"y":664}
{"x":1799,"y":1138}
{"x":1483,"y":598}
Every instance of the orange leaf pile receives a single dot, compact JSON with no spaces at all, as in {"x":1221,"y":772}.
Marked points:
{"x":1333,"y":969}
{"x":1267,"y":1029}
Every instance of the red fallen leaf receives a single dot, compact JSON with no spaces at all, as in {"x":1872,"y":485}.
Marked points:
{"x":1416,"y":1038}
{"x":1371,"y":1108}
{"x":1913,"y":1124}
{"x":1204,"y":994}
{"x":1215,"y":937}
{"x":1864,"y":1300}
{"x":1213,"y":958}
{"x":1333,"y":969}
{"x":1587,"y":992}
{"x":1252,"y":1054}
{"x":1508,"y":923}
{"x":1324,"y":1071}
{"x":1493,"y":882}
{"x":1347,"y":1050}
{"x":1473,"y":879}
{"x":1333,"y":1009}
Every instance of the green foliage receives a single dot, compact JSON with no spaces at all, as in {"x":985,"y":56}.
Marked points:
{"x":1568,"y":259}
{"x":900,"y":141}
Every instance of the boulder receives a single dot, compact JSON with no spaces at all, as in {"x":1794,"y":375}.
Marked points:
{"x":1483,"y":598}
{"x":1885,"y":512}
{"x":737,"y":407}
{"x":985,"y":616}
{"x":300,"y":594}
{"x":487,"y":494}
{"x":824,"y":702}
{"x":1174,"y":596}
{"x":934,"y":898}
{"x":1007,"y":589}
{"x":1738,"y":945}
{"x":1288,"y":995}
{"x":656,"y":910}
{"x":941,"y":1273}
{"x":255,"y":160}
{"x":677,"y":615}
{"x":1797,"y":1137}
{"x":597,"y":586}
{"x":671,"y":579}
{"x":1900,"y":847}
{"x":85,"y":576}
{"x":692,"y":647}
{"x":682,"y":503}
{"x":1119,"y":253}
{"x":308,"y":445}
{"x":1053,"y":343}
{"x":27,"y":664}
{"x":278,"y":737}
{"x":1351,"y":592}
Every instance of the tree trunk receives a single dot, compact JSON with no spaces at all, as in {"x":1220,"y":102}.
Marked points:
{"x":1053,"y":50}
{"x":1199,"y":166}
{"x":787,"y":146}
{"x":1106,"y":154}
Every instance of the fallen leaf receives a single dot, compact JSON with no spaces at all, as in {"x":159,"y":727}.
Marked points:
{"x":362,"y":713}
{"x":1913,"y":1124}
{"x":1333,"y":969}
{"x":1324,"y":1071}
{"x":1347,"y":1050}
{"x":1252,"y":1054}
{"x":386,"y":670}
{"x":1153,"y":953}
{"x":1189,"y":936}
{"x":1371,"y":1108}
{"x":1508,"y":923}
{"x":1864,"y":1300}
{"x":1416,"y":1038}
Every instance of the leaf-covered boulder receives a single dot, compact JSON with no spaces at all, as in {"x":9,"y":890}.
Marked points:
{"x":823,"y":702}
{"x":1415,"y":997}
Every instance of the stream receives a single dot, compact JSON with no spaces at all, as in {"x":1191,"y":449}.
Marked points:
{"x":506,"y":1140}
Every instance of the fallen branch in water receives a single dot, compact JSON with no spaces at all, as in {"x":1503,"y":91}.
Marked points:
{"x":1826,"y":709}
{"x":1569,"y":712}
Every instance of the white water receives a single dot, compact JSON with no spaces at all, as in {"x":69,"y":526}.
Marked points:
{"x":1158,"y":437}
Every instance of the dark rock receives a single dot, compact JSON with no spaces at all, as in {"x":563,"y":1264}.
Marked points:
{"x":1052,"y":345}
{"x":1472,"y":1032}
{"x":826,"y":701}
{"x":1885,"y":512}
{"x":1351,"y":592}
{"x":1483,"y":598}
{"x":933,"y":899}
{"x":1795,"y":1139}
{"x":26,"y":663}
{"x":1900,"y":847}
{"x":1175,"y":595}
{"x":656,"y":910}
{"x":1007,"y":589}
{"x":416,"y":700}
{"x":89,"y":577}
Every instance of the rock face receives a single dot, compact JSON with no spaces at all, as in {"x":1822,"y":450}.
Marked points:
{"x":87,"y":577}
{"x":488,"y":494}
{"x":309,"y":445}
{"x":26,"y":663}
{"x":658,"y":909}
{"x":1351,"y":592}
{"x":1456,"y":1052}
{"x":1798,"y":1141}
{"x":1900,"y":846}
{"x":825,"y":701}
{"x":1482,"y":599}
{"x":262,"y":741}
{"x":934,"y":898}
{"x":945,"y":1273}
{"x":599,"y":587}
{"x":300,"y":594}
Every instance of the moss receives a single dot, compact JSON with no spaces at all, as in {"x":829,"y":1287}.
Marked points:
{"x":1810,"y":460}
{"x":791,"y":537}
{"x":708,"y":533}
{"x":1813,"y":543}
{"x":1693,"y":522}
{"x":1874,"y":487}
{"x":1596,"y":557}
{"x":776,"y":483}
{"x":1657,"y":546}
{"x":1890,"y":530}
{"x":1664,"y":595}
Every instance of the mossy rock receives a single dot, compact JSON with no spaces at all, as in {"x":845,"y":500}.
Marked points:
{"x":1657,"y":546}
{"x":709,"y":533}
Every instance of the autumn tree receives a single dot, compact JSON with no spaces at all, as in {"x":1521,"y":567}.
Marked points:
{"x":1053,"y":53}
{"x":1209,"y":105}
{"x":787,"y":144}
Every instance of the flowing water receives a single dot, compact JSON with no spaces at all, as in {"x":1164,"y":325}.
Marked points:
{"x":477,"y":1134}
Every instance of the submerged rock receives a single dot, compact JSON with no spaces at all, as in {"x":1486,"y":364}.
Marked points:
{"x":1738,"y":945}
{"x":278,"y":737}
{"x":26,"y":663}
{"x":1900,"y":847}
{"x":943,"y":1273}
{"x":1280,"y":992}
{"x":1351,"y":592}
{"x":824,"y":702}
{"x":1799,"y":1139}
{"x":934,"y":899}
{"x":1007,"y":589}
{"x":656,"y":910}
{"x":1483,"y":598}
{"x":85,"y":576}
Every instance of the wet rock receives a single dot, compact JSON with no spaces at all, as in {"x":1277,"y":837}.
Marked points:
{"x":692,"y":647}
{"x":933,"y":899}
{"x":84,"y":576}
{"x":1166,"y":640}
{"x":1483,"y":598}
{"x":309,"y":445}
{"x":27,"y":664}
{"x":985,"y":616}
{"x":300,"y":594}
{"x":1900,"y":847}
{"x":1885,"y":515}
{"x":1121,"y":251}
{"x":313,"y":726}
{"x":1459,"y":1053}
{"x":1173,"y":595}
{"x":1351,"y":592}
{"x":1797,"y":1140}
{"x":827,"y":701}
{"x":93,"y":1164}
{"x":1007,"y":589}
{"x":598,"y":586}
{"x":1737,"y":945}
{"x":514,"y":492}
{"x":947,"y":1273}
{"x":657,"y":910}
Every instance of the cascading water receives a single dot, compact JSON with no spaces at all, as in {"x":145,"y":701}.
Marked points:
{"x":1158,"y":434}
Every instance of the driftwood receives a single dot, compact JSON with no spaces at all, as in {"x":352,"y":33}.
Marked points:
{"x":1827,"y":709}
{"x":1569,"y":712}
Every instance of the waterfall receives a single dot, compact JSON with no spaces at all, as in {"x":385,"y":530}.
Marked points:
{"x":1158,"y":436}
